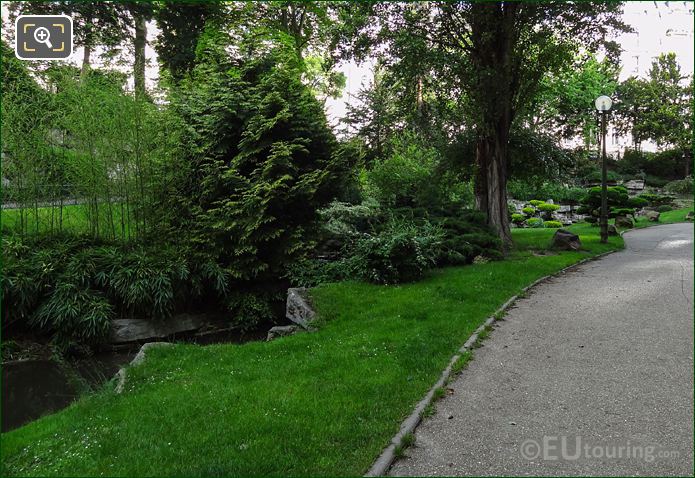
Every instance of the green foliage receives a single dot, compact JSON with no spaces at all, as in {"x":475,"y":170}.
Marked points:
{"x":518,"y":218}
{"x":548,"y":208}
{"x":526,"y":190}
{"x":552,"y":224}
{"x":71,"y":287}
{"x":535,"y":222}
{"x":664,"y":208}
{"x":621,"y":211}
{"x":406,"y":177}
{"x":563,"y":97}
{"x":263,"y":160}
{"x":659,"y":108}
{"x":682,"y":186}
{"x":617,"y":197}
{"x":465,"y":237}
{"x":649,"y":197}
{"x":536,"y":202}
{"x":401,"y":252}
{"x":656,"y":168}
{"x":529,"y":211}
{"x":637,"y":202}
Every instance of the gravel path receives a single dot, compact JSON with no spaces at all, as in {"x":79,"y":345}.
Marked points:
{"x":592,"y":374}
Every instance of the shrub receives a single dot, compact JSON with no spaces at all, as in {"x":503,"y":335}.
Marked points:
{"x":263,"y":160}
{"x":511,"y":210}
{"x":664,"y":208}
{"x":534,"y":222}
{"x":545,"y":207}
{"x":71,"y":287}
{"x":663,"y":200}
{"x":529,"y":211}
{"x":406,"y":178}
{"x":547,"y":210}
{"x":465,"y":236}
{"x":622,"y":211}
{"x":591,"y":219}
{"x":682,"y":186}
{"x":518,"y":218}
{"x":637,"y":202}
{"x":401,"y":252}
{"x":536,"y":202}
{"x":649,"y":197}
{"x":552,"y":224}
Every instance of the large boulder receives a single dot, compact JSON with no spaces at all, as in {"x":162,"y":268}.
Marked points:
{"x":141,"y":330}
{"x":612,"y":230}
{"x":652,"y":216}
{"x":566,"y":241}
{"x":624,"y":222}
{"x":690,"y":216}
{"x":299,"y":308}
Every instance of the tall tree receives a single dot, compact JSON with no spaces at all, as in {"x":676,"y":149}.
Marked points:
{"x":496,"y":54}
{"x":181,"y":24}
{"x":658,"y":108}
{"x":504,"y":49}
{"x":564,"y":103}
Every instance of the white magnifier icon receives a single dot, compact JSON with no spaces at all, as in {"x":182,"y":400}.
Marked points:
{"x":42,"y":35}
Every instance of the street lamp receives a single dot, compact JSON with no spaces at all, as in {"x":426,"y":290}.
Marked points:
{"x":603,"y":106}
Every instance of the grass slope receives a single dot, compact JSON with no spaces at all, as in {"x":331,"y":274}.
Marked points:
{"x":324,"y":403}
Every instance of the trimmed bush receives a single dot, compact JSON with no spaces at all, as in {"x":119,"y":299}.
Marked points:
{"x":649,"y":197}
{"x":535,"y":222}
{"x":623,"y":211}
{"x":545,"y":207}
{"x":536,"y":202}
{"x":518,"y":218}
{"x":552,"y":224}
{"x":529,"y":211}
{"x":637,"y":202}
{"x":664,"y":208}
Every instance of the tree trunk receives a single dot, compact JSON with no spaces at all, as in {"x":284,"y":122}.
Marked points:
{"x":139,"y":45}
{"x":491,"y":185}
{"x":85,"y":61}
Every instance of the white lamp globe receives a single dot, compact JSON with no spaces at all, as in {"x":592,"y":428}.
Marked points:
{"x":603,"y":103}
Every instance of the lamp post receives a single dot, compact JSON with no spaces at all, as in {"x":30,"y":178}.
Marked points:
{"x":603,"y":106}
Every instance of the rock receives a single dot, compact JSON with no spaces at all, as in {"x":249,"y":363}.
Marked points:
{"x":652,"y":216}
{"x":299,"y":309}
{"x":565,"y":240}
{"x":137,"y":360}
{"x":137,"y":330}
{"x":690,"y":216}
{"x":635,"y":185}
{"x":612,"y":230}
{"x":624,"y":222}
{"x":281,"y":331}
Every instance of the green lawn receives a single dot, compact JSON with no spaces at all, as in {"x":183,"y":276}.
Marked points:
{"x":668,"y":217}
{"x":73,"y":218}
{"x":324,"y":403}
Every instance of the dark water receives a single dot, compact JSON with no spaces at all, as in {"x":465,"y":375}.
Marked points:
{"x":34,"y":388}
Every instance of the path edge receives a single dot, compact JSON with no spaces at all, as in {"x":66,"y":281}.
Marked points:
{"x":388,"y":455}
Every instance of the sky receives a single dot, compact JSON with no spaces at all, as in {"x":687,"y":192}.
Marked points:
{"x":660,"y":27}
